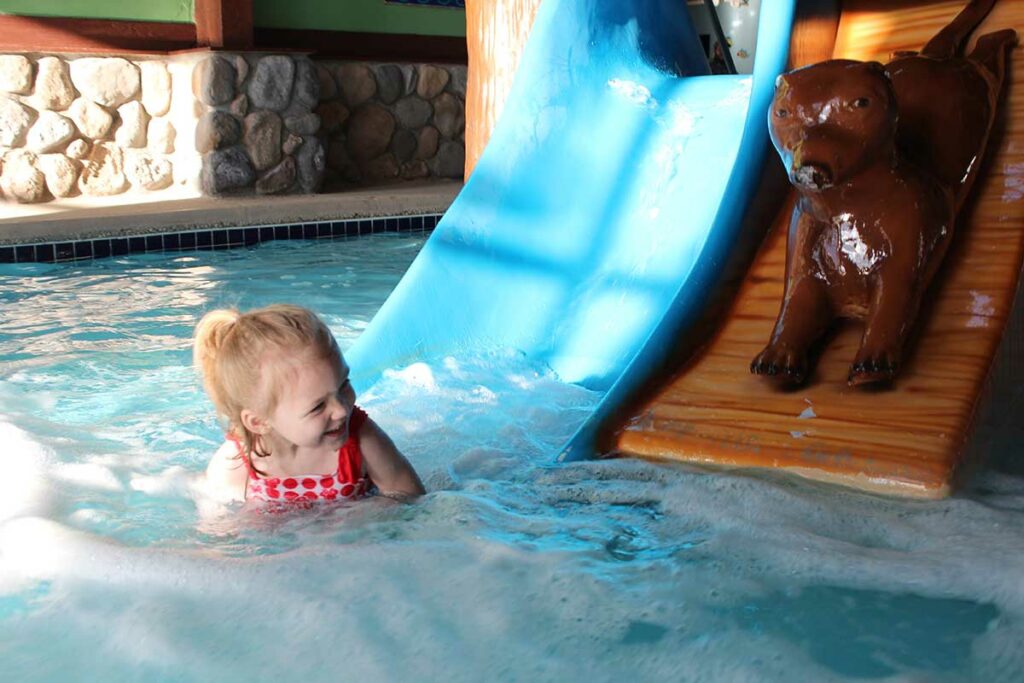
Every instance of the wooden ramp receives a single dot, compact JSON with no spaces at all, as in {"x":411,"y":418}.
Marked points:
{"x":905,"y":440}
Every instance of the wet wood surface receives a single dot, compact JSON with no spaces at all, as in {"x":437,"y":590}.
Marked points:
{"x":903,"y":440}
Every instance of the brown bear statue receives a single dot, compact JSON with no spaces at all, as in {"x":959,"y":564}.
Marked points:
{"x":882,"y":158}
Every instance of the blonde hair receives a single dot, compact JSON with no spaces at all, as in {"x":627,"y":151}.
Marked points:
{"x":230,"y":347}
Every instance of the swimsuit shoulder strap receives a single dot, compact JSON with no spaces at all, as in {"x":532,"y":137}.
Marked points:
{"x":350,"y":455}
{"x":241,"y":454}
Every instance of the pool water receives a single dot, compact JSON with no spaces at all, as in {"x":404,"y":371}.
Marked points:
{"x":114,"y":566}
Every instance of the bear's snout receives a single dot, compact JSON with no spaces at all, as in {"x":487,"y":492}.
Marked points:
{"x":812,"y":177}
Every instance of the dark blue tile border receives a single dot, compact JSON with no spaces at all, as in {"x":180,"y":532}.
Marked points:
{"x":214,"y":238}
{"x":65,"y":251}
{"x":46,"y":252}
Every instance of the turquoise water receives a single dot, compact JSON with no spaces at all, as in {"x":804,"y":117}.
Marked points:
{"x":114,"y":566}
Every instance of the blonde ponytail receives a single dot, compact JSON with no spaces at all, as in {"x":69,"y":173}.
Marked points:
{"x":207,"y":343}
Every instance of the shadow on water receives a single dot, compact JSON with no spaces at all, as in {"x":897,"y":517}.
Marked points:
{"x":872,"y":634}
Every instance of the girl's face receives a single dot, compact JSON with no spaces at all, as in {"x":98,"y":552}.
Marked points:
{"x":315,"y":403}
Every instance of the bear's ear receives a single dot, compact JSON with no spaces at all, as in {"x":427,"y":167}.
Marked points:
{"x":780,"y":80}
{"x":879,"y":68}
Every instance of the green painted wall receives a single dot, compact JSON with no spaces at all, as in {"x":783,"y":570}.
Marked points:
{"x":146,"y":10}
{"x":365,"y":16}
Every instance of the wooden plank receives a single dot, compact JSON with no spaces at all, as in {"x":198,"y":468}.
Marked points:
{"x":905,"y":440}
{"x":382,"y":47}
{"x":58,"y":34}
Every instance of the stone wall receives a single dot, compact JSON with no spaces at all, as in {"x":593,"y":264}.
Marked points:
{"x":202,"y":123}
{"x":384,"y":122}
{"x":91,"y":126}
{"x":256,"y":129}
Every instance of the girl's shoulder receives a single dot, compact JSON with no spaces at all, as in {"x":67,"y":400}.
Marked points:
{"x":227,"y":474}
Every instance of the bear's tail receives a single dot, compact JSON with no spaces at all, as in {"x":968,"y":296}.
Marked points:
{"x":950,"y":41}
{"x":991,"y":51}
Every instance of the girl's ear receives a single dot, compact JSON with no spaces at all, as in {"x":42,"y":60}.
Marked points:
{"x":253,"y":422}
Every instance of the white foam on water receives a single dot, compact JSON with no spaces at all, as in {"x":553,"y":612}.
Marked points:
{"x":173,"y":480}
{"x":25,"y":486}
{"x":365,"y":610}
{"x":426,"y":591}
{"x":87,"y":474}
{"x":594,"y":570}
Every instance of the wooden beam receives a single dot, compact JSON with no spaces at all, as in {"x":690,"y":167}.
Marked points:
{"x":58,"y":34}
{"x":386,"y":47}
{"x":224,"y":24}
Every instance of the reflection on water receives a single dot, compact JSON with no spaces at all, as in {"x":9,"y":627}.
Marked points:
{"x":511,"y":568}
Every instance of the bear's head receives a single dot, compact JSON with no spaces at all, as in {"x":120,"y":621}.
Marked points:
{"x":831,"y":120}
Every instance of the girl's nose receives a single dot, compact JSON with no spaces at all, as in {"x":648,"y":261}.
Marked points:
{"x":339,"y":407}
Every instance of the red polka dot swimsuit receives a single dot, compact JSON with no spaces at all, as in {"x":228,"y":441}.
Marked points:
{"x":347,"y":482}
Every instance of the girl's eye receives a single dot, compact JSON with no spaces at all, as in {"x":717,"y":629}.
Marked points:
{"x":319,"y":407}
{"x":861,"y":102}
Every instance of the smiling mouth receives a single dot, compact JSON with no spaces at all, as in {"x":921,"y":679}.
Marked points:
{"x":337,"y":433}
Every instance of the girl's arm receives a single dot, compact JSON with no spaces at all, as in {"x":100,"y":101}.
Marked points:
{"x":226,"y":476}
{"x":385,"y":465}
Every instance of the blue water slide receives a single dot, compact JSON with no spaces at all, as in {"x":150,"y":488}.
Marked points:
{"x":603,"y":209}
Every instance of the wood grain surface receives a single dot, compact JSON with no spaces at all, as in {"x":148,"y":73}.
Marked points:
{"x":906,"y":439}
{"x":496,"y":33}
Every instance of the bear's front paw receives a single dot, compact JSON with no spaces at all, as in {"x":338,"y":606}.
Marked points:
{"x":872,"y":368}
{"x":781,"y":363}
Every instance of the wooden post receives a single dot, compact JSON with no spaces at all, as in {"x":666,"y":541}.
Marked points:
{"x":496,"y":31}
{"x":226,"y":24}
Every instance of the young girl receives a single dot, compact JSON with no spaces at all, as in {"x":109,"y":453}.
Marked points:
{"x":294,"y":431}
